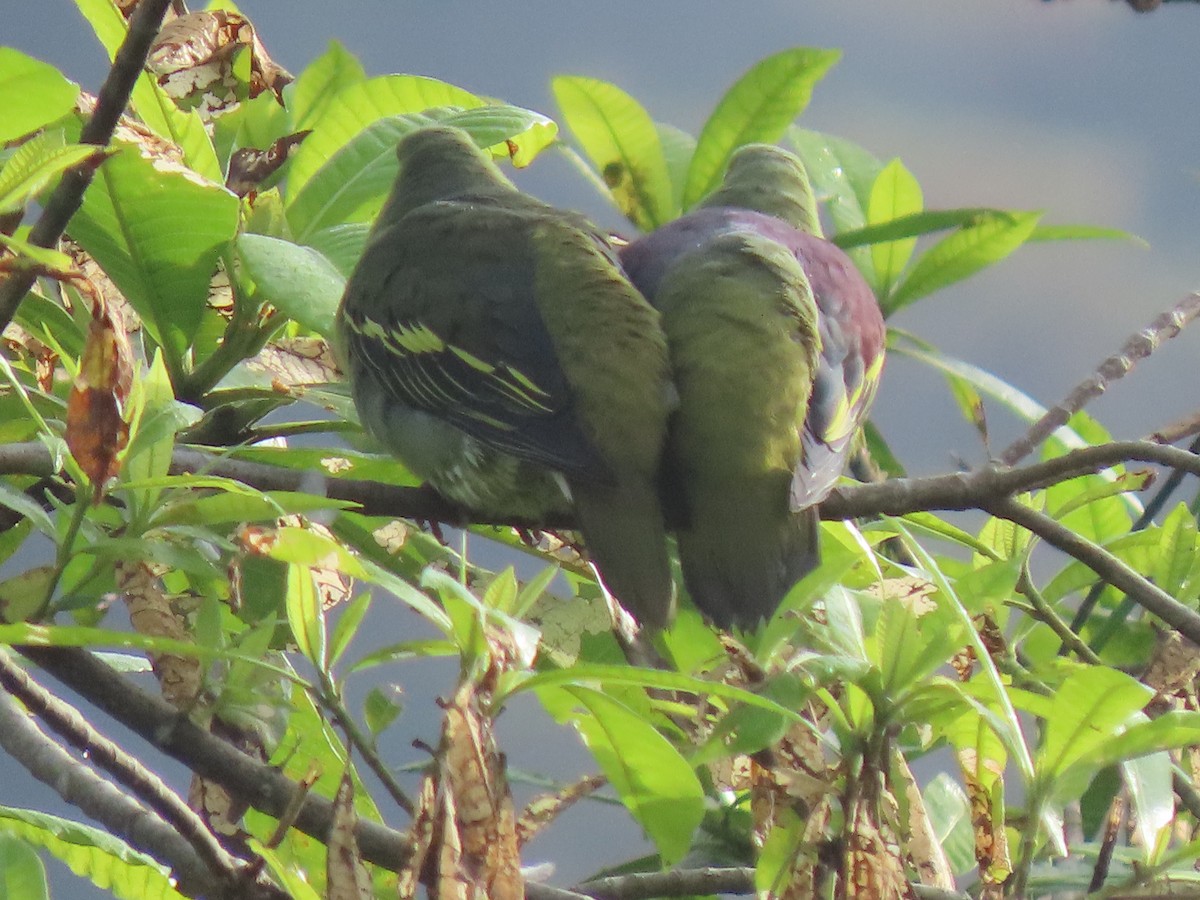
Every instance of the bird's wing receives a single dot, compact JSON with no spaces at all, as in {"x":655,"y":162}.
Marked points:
{"x":441,"y":312}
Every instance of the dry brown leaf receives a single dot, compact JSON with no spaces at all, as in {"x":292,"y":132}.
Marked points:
{"x":873,"y":869}
{"x":151,"y":613}
{"x":991,"y":842}
{"x":96,"y":430}
{"x":924,"y":849}
{"x":543,"y":810}
{"x":196,"y":60}
{"x":333,"y":586}
{"x":294,"y":362}
{"x":250,"y":166}
{"x":346,"y":876}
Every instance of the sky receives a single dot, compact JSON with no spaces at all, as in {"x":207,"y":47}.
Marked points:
{"x":1081,"y":108}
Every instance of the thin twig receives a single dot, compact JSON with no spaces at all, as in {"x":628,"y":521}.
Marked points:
{"x":1146,"y":594}
{"x":156,"y":721}
{"x":110,"y":104}
{"x":331,"y":700}
{"x":69,"y":723}
{"x":121,"y":815}
{"x":1136,"y":348}
{"x":1044,"y":612}
{"x":675,"y":883}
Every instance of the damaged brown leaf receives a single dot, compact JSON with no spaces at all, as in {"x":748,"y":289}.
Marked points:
{"x":96,"y":431}
{"x":296,"y":362}
{"x":346,"y":876}
{"x":251,"y":166}
{"x":213,"y":60}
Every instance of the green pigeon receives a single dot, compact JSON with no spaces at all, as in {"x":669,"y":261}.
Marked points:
{"x":495,"y":346}
{"x":776,"y":345}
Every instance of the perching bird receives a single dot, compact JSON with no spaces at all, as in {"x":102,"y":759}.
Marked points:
{"x":772,"y":387}
{"x":494,"y":345}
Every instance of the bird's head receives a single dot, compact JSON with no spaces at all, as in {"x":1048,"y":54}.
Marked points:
{"x":440,"y":163}
{"x":772,"y":181}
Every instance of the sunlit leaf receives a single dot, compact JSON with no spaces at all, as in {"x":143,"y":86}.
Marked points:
{"x":35,"y":164}
{"x":296,"y":279}
{"x":35,"y":94}
{"x":108,"y":862}
{"x":157,"y":233}
{"x":962,"y":254}
{"x":655,"y":783}
{"x":321,"y":80}
{"x":895,"y":193}
{"x":1088,"y":709}
{"x":352,"y":185}
{"x":758,"y":107}
{"x":621,"y":140}
{"x":1152,"y":798}
{"x":357,"y":105}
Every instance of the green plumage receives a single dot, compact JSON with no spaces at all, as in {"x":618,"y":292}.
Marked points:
{"x":776,"y":344}
{"x":741,"y":325}
{"x":494,"y":345}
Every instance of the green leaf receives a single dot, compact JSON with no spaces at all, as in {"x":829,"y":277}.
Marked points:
{"x":962,"y":254}
{"x":108,"y":862}
{"x":22,"y":875}
{"x":1149,"y":781}
{"x":758,"y":107}
{"x":895,"y":194}
{"x":1089,"y":709}
{"x":347,"y":626}
{"x":304,"y":614}
{"x":353,"y":184}
{"x":22,"y":504}
{"x":35,"y":164}
{"x":678,"y":147}
{"x":380,"y":710}
{"x":359,"y":104}
{"x":342,"y":245}
{"x":655,"y":783}
{"x":1178,"y":550}
{"x":35,"y":94}
{"x":322,"y":79}
{"x":621,"y":140}
{"x":842,"y":175}
{"x":1083,"y":233}
{"x":950,"y":815}
{"x":297,"y":280}
{"x":913,"y":225}
{"x":1170,"y":731}
{"x":157,"y":232}
{"x":149,"y":452}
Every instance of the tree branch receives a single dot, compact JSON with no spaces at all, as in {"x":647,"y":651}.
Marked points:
{"x":1147,"y":595}
{"x":956,"y":491}
{"x":1137,"y":347}
{"x":121,"y":815}
{"x":156,"y":721}
{"x":111,"y":102}
{"x":67,"y":722}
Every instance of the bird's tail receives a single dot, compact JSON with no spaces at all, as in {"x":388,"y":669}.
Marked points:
{"x":738,"y":572}
{"x":623,"y":528}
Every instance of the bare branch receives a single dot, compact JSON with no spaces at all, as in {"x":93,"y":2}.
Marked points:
{"x":112,"y":100}
{"x":156,"y":721}
{"x":66,"y":721}
{"x":1137,"y":347}
{"x":675,"y":883}
{"x":956,"y":491}
{"x":121,"y":815}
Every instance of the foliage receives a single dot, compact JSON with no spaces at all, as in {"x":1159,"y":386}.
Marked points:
{"x":195,"y":300}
